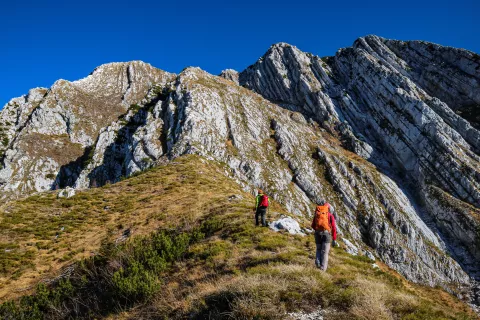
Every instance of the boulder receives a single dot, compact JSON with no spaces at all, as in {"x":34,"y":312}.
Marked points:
{"x":66,"y":193}
{"x":287,"y":223}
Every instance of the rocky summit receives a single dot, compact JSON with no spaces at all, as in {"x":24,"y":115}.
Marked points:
{"x":387,"y":131}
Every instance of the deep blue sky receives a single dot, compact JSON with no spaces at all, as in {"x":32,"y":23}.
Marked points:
{"x":42,"y":41}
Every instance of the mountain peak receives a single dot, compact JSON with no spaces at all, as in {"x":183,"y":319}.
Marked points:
{"x":230,"y":74}
{"x":281,"y":45}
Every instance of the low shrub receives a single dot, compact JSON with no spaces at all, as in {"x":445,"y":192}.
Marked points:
{"x":136,"y":281}
{"x":117,"y":278}
{"x":35,"y":307}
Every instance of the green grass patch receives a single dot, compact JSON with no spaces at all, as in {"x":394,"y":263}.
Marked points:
{"x":274,"y":242}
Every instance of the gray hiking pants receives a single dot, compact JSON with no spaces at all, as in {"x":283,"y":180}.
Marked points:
{"x":323,"y":241}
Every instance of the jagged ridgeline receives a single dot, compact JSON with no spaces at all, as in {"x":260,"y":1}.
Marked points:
{"x":386,"y":130}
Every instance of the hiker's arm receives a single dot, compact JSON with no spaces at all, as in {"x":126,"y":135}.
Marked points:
{"x":332,"y":210}
{"x":334,"y":227}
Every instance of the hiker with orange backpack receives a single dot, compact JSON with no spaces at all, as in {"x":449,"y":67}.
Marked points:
{"x":325,"y":230}
{"x":261,"y":205}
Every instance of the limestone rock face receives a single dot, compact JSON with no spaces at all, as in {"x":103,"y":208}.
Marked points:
{"x":230,"y":74}
{"x":398,"y":105}
{"x":419,"y":131}
{"x":459,"y":224}
{"x":49,"y":128}
{"x":376,"y":130}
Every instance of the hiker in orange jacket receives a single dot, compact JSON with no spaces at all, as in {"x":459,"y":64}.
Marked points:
{"x":325,"y":230}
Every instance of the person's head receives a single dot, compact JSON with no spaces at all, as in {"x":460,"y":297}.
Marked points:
{"x":260,"y":191}
{"x":321,"y":202}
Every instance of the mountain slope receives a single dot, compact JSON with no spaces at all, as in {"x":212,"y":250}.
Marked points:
{"x":370,"y":91}
{"x":366,"y":129}
{"x":197,"y":254}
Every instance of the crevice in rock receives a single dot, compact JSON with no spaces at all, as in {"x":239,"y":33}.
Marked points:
{"x":230,"y":135}
{"x":178,"y":116}
{"x":165,"y":127}
{"x":471,"y":113}
{"x":68,"y":128}
{"x":129,"y":82}
{"x":278,"y":143}
{"x":147,"y":152}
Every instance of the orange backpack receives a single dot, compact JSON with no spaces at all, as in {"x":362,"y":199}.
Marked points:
{"x":320,"y":221}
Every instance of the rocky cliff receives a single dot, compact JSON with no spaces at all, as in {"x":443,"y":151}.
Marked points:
{"x":387,"y":131}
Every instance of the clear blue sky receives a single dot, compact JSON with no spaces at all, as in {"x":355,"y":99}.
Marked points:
{"x":42,"y":41}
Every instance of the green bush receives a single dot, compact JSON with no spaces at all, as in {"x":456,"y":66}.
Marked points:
{"x":135,"y":282}
{"x":95,"y":289}
{"x":36,"y":306}
{"x":213,"y":225}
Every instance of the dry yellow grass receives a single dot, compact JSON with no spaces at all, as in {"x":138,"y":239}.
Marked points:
{"x":160,"y":198}
{"x":241,"y":271}
{"x":253,"y":281}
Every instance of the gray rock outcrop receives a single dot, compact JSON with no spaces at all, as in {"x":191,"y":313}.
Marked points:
{"x":288,"y":224}
{"x":68,"y":192}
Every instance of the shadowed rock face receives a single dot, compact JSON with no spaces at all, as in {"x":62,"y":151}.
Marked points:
{"x":376,"y":130}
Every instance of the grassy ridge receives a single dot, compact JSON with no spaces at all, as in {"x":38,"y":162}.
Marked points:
{"x":41,"y":234}
{"x":194,"y":253}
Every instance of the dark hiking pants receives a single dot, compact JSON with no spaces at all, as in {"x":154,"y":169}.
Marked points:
{"x":323,"y":240}
{"x":261,"y":212}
